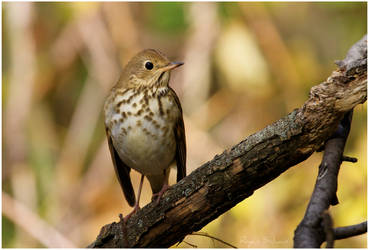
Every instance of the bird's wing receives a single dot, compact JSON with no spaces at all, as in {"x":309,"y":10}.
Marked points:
{"x":179,"y":133}
{"x":122,"y":171}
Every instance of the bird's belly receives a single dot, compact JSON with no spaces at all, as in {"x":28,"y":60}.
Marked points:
{"x":145,"y":148}
{"x":145,"y":153}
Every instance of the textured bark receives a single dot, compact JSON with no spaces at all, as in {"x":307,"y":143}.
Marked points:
{"x":234,"y":175}
{"x":314,"y":229}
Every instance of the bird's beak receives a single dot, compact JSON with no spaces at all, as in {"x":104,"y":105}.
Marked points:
{"x":171,"y":66}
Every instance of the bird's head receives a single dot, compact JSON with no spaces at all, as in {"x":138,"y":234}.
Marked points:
{"x":148,"y":68}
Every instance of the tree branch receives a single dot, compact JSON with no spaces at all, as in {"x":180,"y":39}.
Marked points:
{"x":350,"y":231}
{"x":312,"y":230}
{"x":234,"y":175}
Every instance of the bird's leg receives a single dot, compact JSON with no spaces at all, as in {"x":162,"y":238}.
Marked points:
{"x":137,"y":204}
{"x":161,"y":192}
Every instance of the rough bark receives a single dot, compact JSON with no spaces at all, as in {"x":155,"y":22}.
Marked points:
{"x":234,"y":175}
{"x":314,"y":229}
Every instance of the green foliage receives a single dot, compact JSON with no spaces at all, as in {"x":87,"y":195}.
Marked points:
{"x":167,"y":17}
{"x":8,"y":232}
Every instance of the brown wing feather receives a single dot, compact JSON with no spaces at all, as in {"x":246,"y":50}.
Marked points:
{"x":122,"y":171}
{"x":179,"y":133}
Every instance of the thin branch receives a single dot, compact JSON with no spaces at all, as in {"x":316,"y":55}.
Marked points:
{"x":192,"y":245}
{"x":234,"y":175}
{"x":349,"y":159}
{"x":350,"y":231}
{"x":214,"y":238}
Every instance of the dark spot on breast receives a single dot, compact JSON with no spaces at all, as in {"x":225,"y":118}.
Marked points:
{"x":146,"y":131}
{"x":160,"y":106}
{"x":139,"y":112}
{"x":134,"y":105}
{"x":124,"y":91}
{"x":135,"y":93}
{"x":146,"y":98}
{"x":121,"y":102}
{"x":156,"y":125}
{"x":147,"y":118}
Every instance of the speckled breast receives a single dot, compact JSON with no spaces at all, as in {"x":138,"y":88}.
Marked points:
{"x":141,"y":125}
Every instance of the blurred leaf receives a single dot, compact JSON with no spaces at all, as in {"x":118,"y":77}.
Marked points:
{"x":240,"y":60}
{"x":167,"y":17}
{"x":228,"y":11}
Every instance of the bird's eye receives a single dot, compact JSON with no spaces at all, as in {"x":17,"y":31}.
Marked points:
{"x":149,"y":65}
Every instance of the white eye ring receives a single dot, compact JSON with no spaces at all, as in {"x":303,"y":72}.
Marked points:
{"x":149,"y":65}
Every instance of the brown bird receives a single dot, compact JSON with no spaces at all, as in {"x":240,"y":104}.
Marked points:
{"x":144,"y":125}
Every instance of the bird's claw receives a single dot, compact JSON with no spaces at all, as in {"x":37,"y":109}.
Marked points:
{"x":160,"y":193}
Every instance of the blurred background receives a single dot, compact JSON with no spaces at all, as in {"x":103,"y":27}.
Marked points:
{"x":246,"y":66}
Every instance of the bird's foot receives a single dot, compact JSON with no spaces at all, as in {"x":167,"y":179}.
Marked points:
{"x":160,"y":193}
{"x":125,"y":219}
{"x":135,"y":210}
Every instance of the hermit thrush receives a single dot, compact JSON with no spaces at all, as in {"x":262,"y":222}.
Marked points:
{"x":144,"y":124}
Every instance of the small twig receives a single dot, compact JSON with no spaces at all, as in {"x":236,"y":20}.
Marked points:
{"x":348,"y":159}
{"x":350,"y":231}
{"x":192,"y":245}
{"x":214,"y":238}
{"x":328,"y":229}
